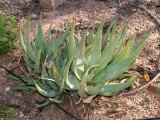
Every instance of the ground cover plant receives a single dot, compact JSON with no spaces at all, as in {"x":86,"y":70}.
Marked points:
{"x":7,"y":35}
{"x":5,"y":111}
{"x":88,"y":66}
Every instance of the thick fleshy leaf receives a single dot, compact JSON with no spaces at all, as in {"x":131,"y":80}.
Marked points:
{"x":55,"y":74}
{"x":94,"y":89}
{"x":141,"y":43}
{"x":28,"y":63}
{"x":53,"y":85}
{"x":61,"y":39}
{"x":87,"y":48}
{"x":48,"y":40}
{"x":37,"y":64}
{"x":25,"y":88}
{"x":23,"y":42}
{"x":33,"y":45}
{"x":29,"y":80}
{"x":112,"y":72}
{"x":83,"y":85}
{"x":49,"y":93}
{"x":125,"y":53}
{"x":72,"y":82}
{"x":41,"y":85}
{"x":58,"y":57}
{"x":40,"y":37}
{"x":90,"y":37}
{"x":114,"y":88}
{"x":44,"y":75}
{"x":22,"y":88}
{"x":65,"y":73}
{"x":111,"y":35}
{"x":107,"y":54}
{"x":44,"y":104}
{"x":50,"y":73}
{"x":79,"y":61}
{"x":106,"y":38}
{"x":29,"y":94}
{"x":52,"y":45}
{"x":29,"y":51}
{"x":88,"y":55}
{"x":91,"y":75}
{"x":84,"y":79}
{"x":122,"y":41}
{"x":13,"y":77}
{"x":27,"y":47}
{"x":97,"y":48}
{"x":71,"y":43}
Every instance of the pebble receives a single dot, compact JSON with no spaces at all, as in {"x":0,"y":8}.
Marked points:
{"x":132,"y":33}
{"x":18,"y":94}
{"x":7,"y":88}
{"x":16,"y":113}
{"x":21,"y":114}
{"x":26,"y":117}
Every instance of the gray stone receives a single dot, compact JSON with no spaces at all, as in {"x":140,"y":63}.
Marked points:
{"x":51,"y":4}
{"x":7,"y":88}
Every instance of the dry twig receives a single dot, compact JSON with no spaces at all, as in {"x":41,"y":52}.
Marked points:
{"x":146,"y":85}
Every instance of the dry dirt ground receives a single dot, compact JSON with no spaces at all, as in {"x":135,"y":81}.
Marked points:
{"x":142,"y":15}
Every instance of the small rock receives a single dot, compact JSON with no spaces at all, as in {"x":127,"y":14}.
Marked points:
{"x":132,"y":33}
{"x":26,"y":117}
{"x":7,"y":88}
{"x":16,"y":113}
{"x":137,"y":29}
{"x":18,"y":94}
{"x":51,"y":4}
{"x":21,"y":114}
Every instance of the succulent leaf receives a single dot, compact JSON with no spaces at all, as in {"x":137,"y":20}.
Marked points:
{"x":37,"y":64}
{"x":71,"y":43}
{"x":114,"y":88}
{"x":48,"y":39}
{"x":97,"y":48}
{"x":40,"y":37}
{"x":49,"y":93}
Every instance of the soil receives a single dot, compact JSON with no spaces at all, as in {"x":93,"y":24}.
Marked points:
{"x":142,"y":15}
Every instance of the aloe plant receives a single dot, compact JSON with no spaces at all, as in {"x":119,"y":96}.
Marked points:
{"x":87,"y":70}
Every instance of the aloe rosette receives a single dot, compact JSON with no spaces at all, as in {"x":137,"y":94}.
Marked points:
{"x":87,"y":70}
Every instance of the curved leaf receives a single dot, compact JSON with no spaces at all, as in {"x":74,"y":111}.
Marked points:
{"x":114,"y":88}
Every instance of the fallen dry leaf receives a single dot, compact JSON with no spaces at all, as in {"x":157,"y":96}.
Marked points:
{"x":154,"y":90}
{"x":146,"y":77}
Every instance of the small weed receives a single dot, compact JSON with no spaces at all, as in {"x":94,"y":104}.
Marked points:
{"x":54,"y":119}
{"x":5,"y":111}
{"x":158,"y":112}
{"x":143,"y":103}
{"x":8,"y":25}
{"x":114,"y":105}
{"x":101,"y":117}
